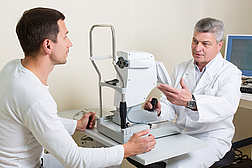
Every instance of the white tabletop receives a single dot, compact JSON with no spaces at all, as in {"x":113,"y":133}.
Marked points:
{"x":166,"y":147}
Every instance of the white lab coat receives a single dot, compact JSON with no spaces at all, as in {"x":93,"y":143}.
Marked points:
{"x":217,"y":95}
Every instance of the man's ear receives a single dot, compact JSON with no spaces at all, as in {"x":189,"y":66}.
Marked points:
{"x":220,"y":45}
{"x":47,"y":46}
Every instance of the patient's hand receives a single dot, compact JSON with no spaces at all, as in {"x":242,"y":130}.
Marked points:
{"x":87,"y":120}
{"x":138,"y":144}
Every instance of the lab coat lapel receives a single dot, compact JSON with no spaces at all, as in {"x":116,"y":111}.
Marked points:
{"x":189,"y":76}
{"x":211,"y":71}
{"x":204,"y":81}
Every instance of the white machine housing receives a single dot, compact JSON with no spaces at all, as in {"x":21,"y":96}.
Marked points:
{"x":140,"y":77}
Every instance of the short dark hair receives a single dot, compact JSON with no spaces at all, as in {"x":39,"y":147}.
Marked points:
{"x":35,"y":26}
{"x":211,"y":25}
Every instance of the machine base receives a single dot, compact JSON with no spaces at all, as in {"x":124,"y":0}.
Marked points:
{"x":106,"y":126}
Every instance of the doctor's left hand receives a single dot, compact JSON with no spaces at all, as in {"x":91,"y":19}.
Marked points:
{"x":84,"y":121}
{"x":176,"y":96}
{"x":148,"y":106}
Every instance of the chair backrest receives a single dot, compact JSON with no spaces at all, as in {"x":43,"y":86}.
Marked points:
{"x":226,"y":160}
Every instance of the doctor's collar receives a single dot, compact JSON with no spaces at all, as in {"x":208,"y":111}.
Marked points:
{"x":207,"y":65}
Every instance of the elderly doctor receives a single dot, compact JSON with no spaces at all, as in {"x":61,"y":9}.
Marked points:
{"x":204,"y":96}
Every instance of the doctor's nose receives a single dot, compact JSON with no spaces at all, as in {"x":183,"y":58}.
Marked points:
{"x":198,"y":47}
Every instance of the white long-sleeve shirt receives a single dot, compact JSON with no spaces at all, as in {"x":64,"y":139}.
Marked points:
{"x":29,"y":123}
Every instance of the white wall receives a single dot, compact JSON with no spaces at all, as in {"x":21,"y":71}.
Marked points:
{"x":73,"y":85}
{"x":161,"y":27}
{"x":165,"y":28}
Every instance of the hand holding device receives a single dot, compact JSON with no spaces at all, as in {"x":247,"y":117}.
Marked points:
{"x":153,"y":103}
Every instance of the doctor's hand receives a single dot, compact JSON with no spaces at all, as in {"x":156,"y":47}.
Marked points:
{"x":148,"y":106}
{"x":176,"y":96}
{"x":87,"y":119}
{"x":138,"y":144}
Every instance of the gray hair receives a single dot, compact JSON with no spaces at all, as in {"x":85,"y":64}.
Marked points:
{"x":211,"y":25}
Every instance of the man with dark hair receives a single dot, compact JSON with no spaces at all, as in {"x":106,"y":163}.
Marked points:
{"x":35,"y":26}
{"x":203,"y":97}
{"x":28,"y":113}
